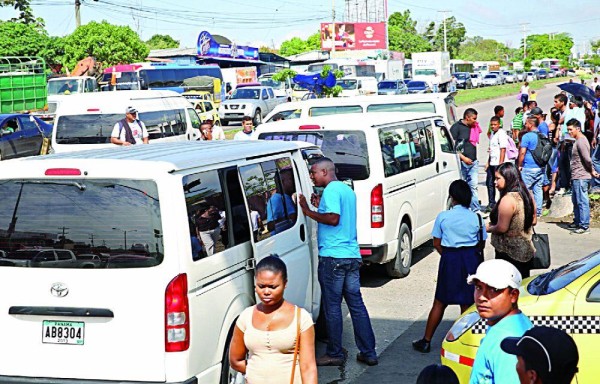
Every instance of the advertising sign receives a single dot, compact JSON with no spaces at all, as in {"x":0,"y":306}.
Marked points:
{"x":209,"y":47}
{"x":353,"y":36}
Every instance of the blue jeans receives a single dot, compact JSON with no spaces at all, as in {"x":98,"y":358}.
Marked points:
{"x":340,"y":278}
{"x":596,"y":165}
{"x":533,"y":179}
{"x":581,"y":202}
{"x":491,"y":186}
{"x":470,"y":174}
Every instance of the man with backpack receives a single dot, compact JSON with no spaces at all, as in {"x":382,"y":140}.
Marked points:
{"x":130,"y":130}
{"x":534,"y":154}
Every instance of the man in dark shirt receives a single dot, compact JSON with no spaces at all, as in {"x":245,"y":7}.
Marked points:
{"x":469,"y":166}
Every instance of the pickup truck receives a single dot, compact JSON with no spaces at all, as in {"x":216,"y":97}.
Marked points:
{"x":254,"y":101}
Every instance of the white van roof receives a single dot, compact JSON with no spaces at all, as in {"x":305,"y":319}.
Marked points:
{"x":170,"y":157}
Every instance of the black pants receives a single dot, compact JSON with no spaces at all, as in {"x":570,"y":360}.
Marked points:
{"x":564,"y":165}
{"x":489,"y":182}
{"x":523,"y":267}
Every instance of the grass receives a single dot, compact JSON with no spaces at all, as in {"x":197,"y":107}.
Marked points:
{"x":469,"y":96}
{"x":229,"y":134}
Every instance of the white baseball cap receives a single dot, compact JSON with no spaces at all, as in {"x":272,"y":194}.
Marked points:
{"x":497,"y":273}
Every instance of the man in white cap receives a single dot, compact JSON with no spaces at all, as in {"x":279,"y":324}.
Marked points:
{"x":496,"y":295}
{"x":129,"y":130}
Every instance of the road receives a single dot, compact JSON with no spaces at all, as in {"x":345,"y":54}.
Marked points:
{"x":399,"y":308}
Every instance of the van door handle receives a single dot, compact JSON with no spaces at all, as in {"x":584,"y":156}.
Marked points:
{"x":437,"y":167}
{"x":302,"y":233}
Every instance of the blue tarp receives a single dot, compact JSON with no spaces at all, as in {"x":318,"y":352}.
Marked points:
{"x":314,"y":82}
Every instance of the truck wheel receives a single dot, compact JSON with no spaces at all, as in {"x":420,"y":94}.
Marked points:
{"x":257,"y":119}
{"x":400,"y":265}
{"x":225,"y":123}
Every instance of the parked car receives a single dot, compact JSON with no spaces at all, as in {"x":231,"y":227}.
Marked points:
{"x":42,"y":258}
{"x":567,"y":297}
{"x":551,"y":74}
{"x":500,"y":76}
{"x":463,"y":80}
{"x":491,"y":79}
{"x":510,"y":77}
{"x":206,"y":110}
{"x":418,"y":86}
{"x":571,"y":72}
{"x":253,"y":101}
{"x":520,"y":76}
{"x":392,"y":87}
{"x":476,"y":80}
{"x":23,"y":135}
{"x":542,"y":74}
{"x":531,"y":76}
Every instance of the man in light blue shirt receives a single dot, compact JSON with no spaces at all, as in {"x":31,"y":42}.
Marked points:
{"x":339,"y":264}
{"x":497,"y":285}
{"x":531,"y":172}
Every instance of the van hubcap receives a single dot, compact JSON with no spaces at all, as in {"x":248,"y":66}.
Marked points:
{"x":405,"y":254}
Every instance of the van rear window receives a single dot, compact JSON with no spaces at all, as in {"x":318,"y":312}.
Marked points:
{"x":347,"y":149}
{"x":402,"y":107}
{"x":334,"y":110}
{"x":80,"y":223}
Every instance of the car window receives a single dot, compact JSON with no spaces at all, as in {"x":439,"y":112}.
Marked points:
{"x":334,"y":110}
{"x":117,"y":217}
{"x":559,"y":278}
{"x":194,"y":118}
{"x":10,"y":126}
{"x":402,"y":107}
{"x":264,"y":94}
{"x":289,"y":114}
{"x":27,"y":124}
{"x":444,"y":137}
{"x":271,"y":93}
{"x":270,"y":189}
{"x":208,"y":106}
{"x":594,"y":294}
{"x":406,"y":147}
{"x":63,"y":255}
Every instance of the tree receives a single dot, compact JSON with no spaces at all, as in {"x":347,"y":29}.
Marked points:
{"x":479,"y":49}
{"x":313,"y":41}
{"x":595,"y":45}
{"x":264,"y":48}
{"x":109,"y":44}
{"x":545,"y":46}
{"x":162,"y":42}
{"x":403,"y":36}
{"x":455,"y":35}
{"x":296,"y":45}
{"x":25,"y":11}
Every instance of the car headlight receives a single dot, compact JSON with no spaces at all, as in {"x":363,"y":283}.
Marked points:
{"x":462,"y":325}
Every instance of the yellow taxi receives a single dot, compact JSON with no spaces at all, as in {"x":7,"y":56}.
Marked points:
{"x":206,"y":110}
{"x":567,"y":298}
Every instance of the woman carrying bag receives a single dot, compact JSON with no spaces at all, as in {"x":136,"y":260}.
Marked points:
{"x":512,"y":220}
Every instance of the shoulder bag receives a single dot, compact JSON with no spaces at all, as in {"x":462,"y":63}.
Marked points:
{"x":297,"y":347}
{"x":541,"y":257}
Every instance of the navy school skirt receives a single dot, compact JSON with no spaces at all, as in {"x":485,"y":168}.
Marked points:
{"x":455,"y":265}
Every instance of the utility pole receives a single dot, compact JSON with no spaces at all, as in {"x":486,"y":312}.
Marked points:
{"x":524,"y":25}
{"x":444,"y":13}
{"x":77,"y":13}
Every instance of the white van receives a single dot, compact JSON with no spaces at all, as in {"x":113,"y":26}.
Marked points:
{"x":357,"y":86}
{"x":435,"y":103}
{"x":401,"y":166}
{"x":154,"y":306}
{"x":86,"y":121}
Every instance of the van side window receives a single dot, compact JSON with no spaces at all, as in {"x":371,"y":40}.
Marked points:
{"x":164,"y":123}
{"x":207,"y":214}
{"x":444,"y":137}
{"x":406,"y":147}
{"x":270,"y":189}
{"x":240,"y":228}
{"x":194,"y":118}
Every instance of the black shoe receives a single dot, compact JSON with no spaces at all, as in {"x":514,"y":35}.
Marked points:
{"x":328,"y":361}
{"x":363,"y":359}
{"x":422,"y":345}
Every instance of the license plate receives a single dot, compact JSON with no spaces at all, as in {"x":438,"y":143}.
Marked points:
{"x":63,"y":332}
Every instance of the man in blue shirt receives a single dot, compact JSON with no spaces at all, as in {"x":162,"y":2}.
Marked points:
{"x":531,"y":172}
{"x":339,"y":264}
{"x":496,"y":295}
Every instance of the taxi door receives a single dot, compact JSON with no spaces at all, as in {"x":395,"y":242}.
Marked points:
{"x":584,"y":327}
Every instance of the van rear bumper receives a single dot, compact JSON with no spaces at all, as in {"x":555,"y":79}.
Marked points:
{"x":44,"y":380}
{"x":374,"y":254}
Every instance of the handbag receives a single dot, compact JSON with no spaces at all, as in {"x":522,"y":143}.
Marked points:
{"x":481,"y":242}
{"x":541,"y":257}
{"x":297,"y":344}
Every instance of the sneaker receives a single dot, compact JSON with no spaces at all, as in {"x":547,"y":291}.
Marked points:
{"x":581,"y":231}
{"x":573,"y":226}
{"x":545,"y":212}
{"x":363,"y":359}
{"x":422,"y":345}
{"x":328,"y":361}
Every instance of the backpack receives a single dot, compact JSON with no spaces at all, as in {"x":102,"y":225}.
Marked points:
{"x":512,"y":152}
{"x":543,"y":150}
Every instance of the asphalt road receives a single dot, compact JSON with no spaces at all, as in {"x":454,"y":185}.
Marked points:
{"x":399,"y":308}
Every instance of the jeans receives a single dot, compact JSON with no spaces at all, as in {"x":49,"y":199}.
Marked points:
{"x":581,"y":202}
{"x":489,"y":183}
{"x":340,"y":278}
{"x":533,"y":178}
{"x":596,"y":165}
{"x":470,"y":173}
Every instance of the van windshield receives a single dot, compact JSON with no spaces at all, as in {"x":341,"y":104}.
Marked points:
{"x":388,"y":85}
{"x":80,"y":223}
{"x":347,"y":149}
{"x":347,"y":84}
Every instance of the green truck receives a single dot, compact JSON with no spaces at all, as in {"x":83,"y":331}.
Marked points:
{"x":22,"y":84}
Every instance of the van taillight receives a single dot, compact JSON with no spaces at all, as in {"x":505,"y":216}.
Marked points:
{"x":62,"y":172}
{"x":177,"y":315}
{"x":309,"y":126}
{"x":377,"y":207}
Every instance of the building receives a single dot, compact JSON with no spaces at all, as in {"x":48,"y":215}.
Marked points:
{"x":365,"y":11}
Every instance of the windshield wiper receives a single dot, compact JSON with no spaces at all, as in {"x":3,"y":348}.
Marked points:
{"x":80,"y":186}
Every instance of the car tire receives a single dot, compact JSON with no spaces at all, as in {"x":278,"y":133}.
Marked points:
{"x":257,"y":119}
{"x":400,"y":265}
{"x":228,"y":374}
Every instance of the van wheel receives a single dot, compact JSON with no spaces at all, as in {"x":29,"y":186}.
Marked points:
{"x":228,"y":374}
{"x":400,"y":266}
{"x":257,"y":119}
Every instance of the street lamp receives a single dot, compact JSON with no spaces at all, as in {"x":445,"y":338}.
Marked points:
{"x":124,"y":235}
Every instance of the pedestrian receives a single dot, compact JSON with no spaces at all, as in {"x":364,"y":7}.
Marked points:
{"x":595,"y":84}
{"x":436,"y":82}
{"x":497,"y":155}
{"x":216,"y":132}
{"x":517,"y":124}
{"x":437,"y":374}
{"x":596,"y":153}
{"x":256,"y":222}
{"x":469,"y":166}
{"x":499,"y":113}
{"x":497,"y":285}
{"x":533,"y":96}
{"x":565,"y":147}
{"x":454,"y":83}
{"x":456,"y":235}
{"x":544,"y":129}
{"x":512,"y":219}
{"x":581,"y":173}
{"x":545,"y":355}
{"x":130,"y":130}
{"x":339,"y":264}
{"x":531,"y":172}
{"x":273,"y":341}
{"x":208,"y":228}
{"x":553,"y":135}
{"x":525,"y":93}
{"x":247,"y":129}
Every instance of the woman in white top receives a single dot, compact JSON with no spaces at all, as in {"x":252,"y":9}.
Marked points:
{"x":525,"y":93}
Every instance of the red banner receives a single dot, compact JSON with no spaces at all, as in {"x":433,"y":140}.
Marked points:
{"x":353,"y":36}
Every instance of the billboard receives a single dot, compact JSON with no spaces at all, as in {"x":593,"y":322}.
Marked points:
{"x":353,"y":36}
{"x":209,"y":47}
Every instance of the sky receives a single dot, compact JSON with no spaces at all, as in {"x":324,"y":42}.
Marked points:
{"x":269,"y":22}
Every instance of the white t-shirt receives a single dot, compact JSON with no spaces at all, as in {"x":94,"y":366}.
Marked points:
{"x":241,"y":135}
{"x":138,"y":132}
{"x":218,"y":133}
{"x":524,"y":90}
{"x":594,"y":85}
{"x":254,"y":216}
{"x":498,"y":140}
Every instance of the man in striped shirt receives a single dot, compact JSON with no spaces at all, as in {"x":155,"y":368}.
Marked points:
{"x":517,"y":124}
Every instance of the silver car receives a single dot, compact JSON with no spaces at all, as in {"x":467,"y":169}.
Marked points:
{"x":491,"y":79}
{"x":392,"y":87}
{"x":476,"y":80}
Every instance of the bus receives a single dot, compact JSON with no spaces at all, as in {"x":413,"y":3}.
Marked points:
{"x":350,"y":67}
{"x":461,"y":66}
{"x":159,"y":76}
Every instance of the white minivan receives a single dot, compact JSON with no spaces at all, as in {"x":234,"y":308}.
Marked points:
{"x":357,"y":86}
{"x":85,"y":121}
{"x":144,"y":300}
{"x":400,"y":165}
